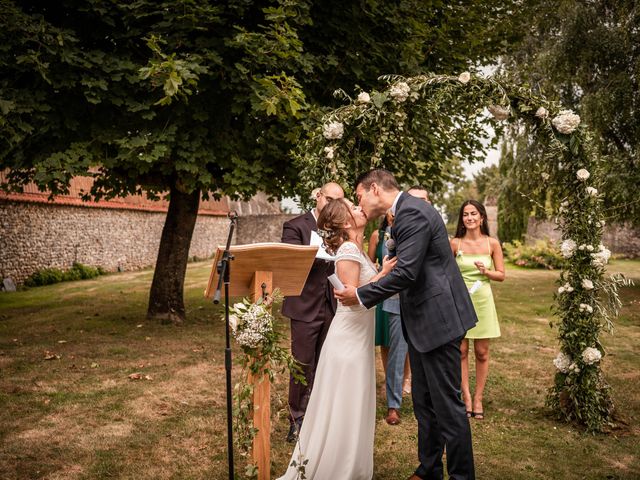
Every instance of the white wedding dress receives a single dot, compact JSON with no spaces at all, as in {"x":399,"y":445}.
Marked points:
{"x":338,"y":430}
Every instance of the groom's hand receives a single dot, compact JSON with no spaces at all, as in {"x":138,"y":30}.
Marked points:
{"x":347,"y":296}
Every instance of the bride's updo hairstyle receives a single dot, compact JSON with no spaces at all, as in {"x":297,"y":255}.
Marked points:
{"x":333,"y":217}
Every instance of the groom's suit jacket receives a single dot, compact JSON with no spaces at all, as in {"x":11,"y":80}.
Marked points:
{"x":317,"y":292}
{"x":434,"y":300}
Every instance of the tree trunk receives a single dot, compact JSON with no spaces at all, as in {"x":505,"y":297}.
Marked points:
{"x":166,"y":299}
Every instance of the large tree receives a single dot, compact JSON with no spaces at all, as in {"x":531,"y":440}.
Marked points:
{"x":193,"y":98}
{"x":586,"y":55}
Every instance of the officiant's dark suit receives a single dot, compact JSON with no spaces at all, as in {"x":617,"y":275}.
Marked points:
{"x":312,"y":311}
{"x":436,"y":313}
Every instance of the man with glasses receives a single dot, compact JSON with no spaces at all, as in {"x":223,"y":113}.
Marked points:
{"x":312,"y":311}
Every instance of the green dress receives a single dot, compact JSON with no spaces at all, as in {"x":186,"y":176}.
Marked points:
{"x":482,"y":298}
{"x":382,"y":317}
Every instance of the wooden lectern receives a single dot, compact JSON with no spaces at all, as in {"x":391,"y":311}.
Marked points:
{"x":276,"y":265}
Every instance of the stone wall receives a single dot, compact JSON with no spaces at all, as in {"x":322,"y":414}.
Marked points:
{"x":261,"y":228}
{"x":621,"y":239}
{"x":39,"y":235}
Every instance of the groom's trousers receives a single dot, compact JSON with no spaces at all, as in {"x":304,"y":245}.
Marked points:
{"x":442,"y":420}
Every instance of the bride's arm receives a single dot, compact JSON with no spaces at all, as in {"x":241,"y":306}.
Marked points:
{"x":348,"y":271}
{"x":387,"y":266}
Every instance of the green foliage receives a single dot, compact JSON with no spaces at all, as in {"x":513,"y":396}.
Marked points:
{"x":543,"y":254}
{"x":45,"y":276}
{"x":48,"y":276}
{"x":205,"y":96}
{"x":561,"y":39}
{"x":260,"y":340}
{"x":489,"y":182}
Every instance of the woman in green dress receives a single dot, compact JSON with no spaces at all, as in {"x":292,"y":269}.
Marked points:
{"x":382,"y":317}
{"x":480,"y":260}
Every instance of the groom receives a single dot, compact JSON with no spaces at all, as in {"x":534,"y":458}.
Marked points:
{"x":436,"y":313}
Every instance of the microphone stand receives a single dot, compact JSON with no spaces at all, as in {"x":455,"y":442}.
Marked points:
{"x":224,"y":269}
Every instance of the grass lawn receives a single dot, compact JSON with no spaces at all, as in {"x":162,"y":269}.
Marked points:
{"x":78,"y":415}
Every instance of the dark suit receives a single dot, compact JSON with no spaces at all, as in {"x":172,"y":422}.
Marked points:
{"x":311,"y":313}
{"x":436,"y":313}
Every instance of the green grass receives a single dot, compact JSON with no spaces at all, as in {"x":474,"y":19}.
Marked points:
{"x":81,"y":417}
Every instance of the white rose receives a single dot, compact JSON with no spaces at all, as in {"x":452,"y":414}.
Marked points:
{"x":233,"y":323}
{"x":329,"y":152}
{"x":400,"y":91}
{"x":593,"y":192}
{"x":590,"y":248}
{"x":464,"y":77}
{"x":568,"y":248}
{"x":333,"y":130}
{"x":583,"y":174}
{"x":363,"y":97}
{"x":582,"y":247}
{"x":569,"y":288}
{"x":542,"y":112}
{"x":566,"y":121}
{"x":498,"y":112}
{"x":561,"y":290}
{"x":591,"y":355}
{"x":562,"y":362}
{"x":544,"y":175}
{"x":601,"y":257}
{"x":587,"y":284}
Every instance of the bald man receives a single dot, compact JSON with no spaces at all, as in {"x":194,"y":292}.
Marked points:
{"x":311,"y":312}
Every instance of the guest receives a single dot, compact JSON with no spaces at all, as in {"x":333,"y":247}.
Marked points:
{"x":382,"y":318}
{"x":480,"y":260}
{"x":396,"y":352}
{"x":310,"y":312}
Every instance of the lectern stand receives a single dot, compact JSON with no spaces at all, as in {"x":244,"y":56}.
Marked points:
{"x":258,"y":268}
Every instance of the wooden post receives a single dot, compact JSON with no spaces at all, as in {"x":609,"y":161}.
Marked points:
{"x":262,"y":396}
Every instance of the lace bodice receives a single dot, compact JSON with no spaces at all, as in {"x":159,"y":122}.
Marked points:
{"x":350,"y":251}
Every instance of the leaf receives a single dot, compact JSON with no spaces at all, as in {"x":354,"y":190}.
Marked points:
{"x":51,"y":356}
{"x":378,"y":99}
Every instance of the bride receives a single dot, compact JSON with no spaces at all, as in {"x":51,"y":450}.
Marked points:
{"x":336,"y":438}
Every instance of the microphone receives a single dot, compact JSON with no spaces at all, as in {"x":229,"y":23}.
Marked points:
{"x":391,"y":247}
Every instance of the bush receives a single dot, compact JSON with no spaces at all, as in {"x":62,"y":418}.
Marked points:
{"x":48,"y":276}
{"x":544,"y":254}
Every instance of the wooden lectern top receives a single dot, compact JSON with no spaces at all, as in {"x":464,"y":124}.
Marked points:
{"x":290,"y":265}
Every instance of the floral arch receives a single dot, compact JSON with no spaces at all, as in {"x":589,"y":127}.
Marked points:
{"x":415,"y":122}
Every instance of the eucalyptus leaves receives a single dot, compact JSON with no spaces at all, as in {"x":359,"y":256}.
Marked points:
{"x":415,"y":124}
{"x":253,"y":327}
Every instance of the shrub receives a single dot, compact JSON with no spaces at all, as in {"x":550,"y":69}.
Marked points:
{"x":544,"y":254}
{"x":48,"y":276}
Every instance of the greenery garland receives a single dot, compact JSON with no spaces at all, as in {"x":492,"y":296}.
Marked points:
{"x":253,"y":327}
{"x":415,"y":122}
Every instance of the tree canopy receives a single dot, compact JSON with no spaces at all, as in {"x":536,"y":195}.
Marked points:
{"x":210,"y":95}
{"x":585,"y":54}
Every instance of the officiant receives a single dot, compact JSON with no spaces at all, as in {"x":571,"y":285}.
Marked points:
{"x":312,"y":311}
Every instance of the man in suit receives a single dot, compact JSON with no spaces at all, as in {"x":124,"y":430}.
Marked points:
{"x":436,"y":313}
{"x":312,"y":311}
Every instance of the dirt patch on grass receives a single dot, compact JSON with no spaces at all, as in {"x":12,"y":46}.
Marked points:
{"x":187,"y":387}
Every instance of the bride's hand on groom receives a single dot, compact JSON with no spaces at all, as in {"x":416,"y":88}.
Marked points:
{"x":388,"y":264}
{"x":347,"y":296}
